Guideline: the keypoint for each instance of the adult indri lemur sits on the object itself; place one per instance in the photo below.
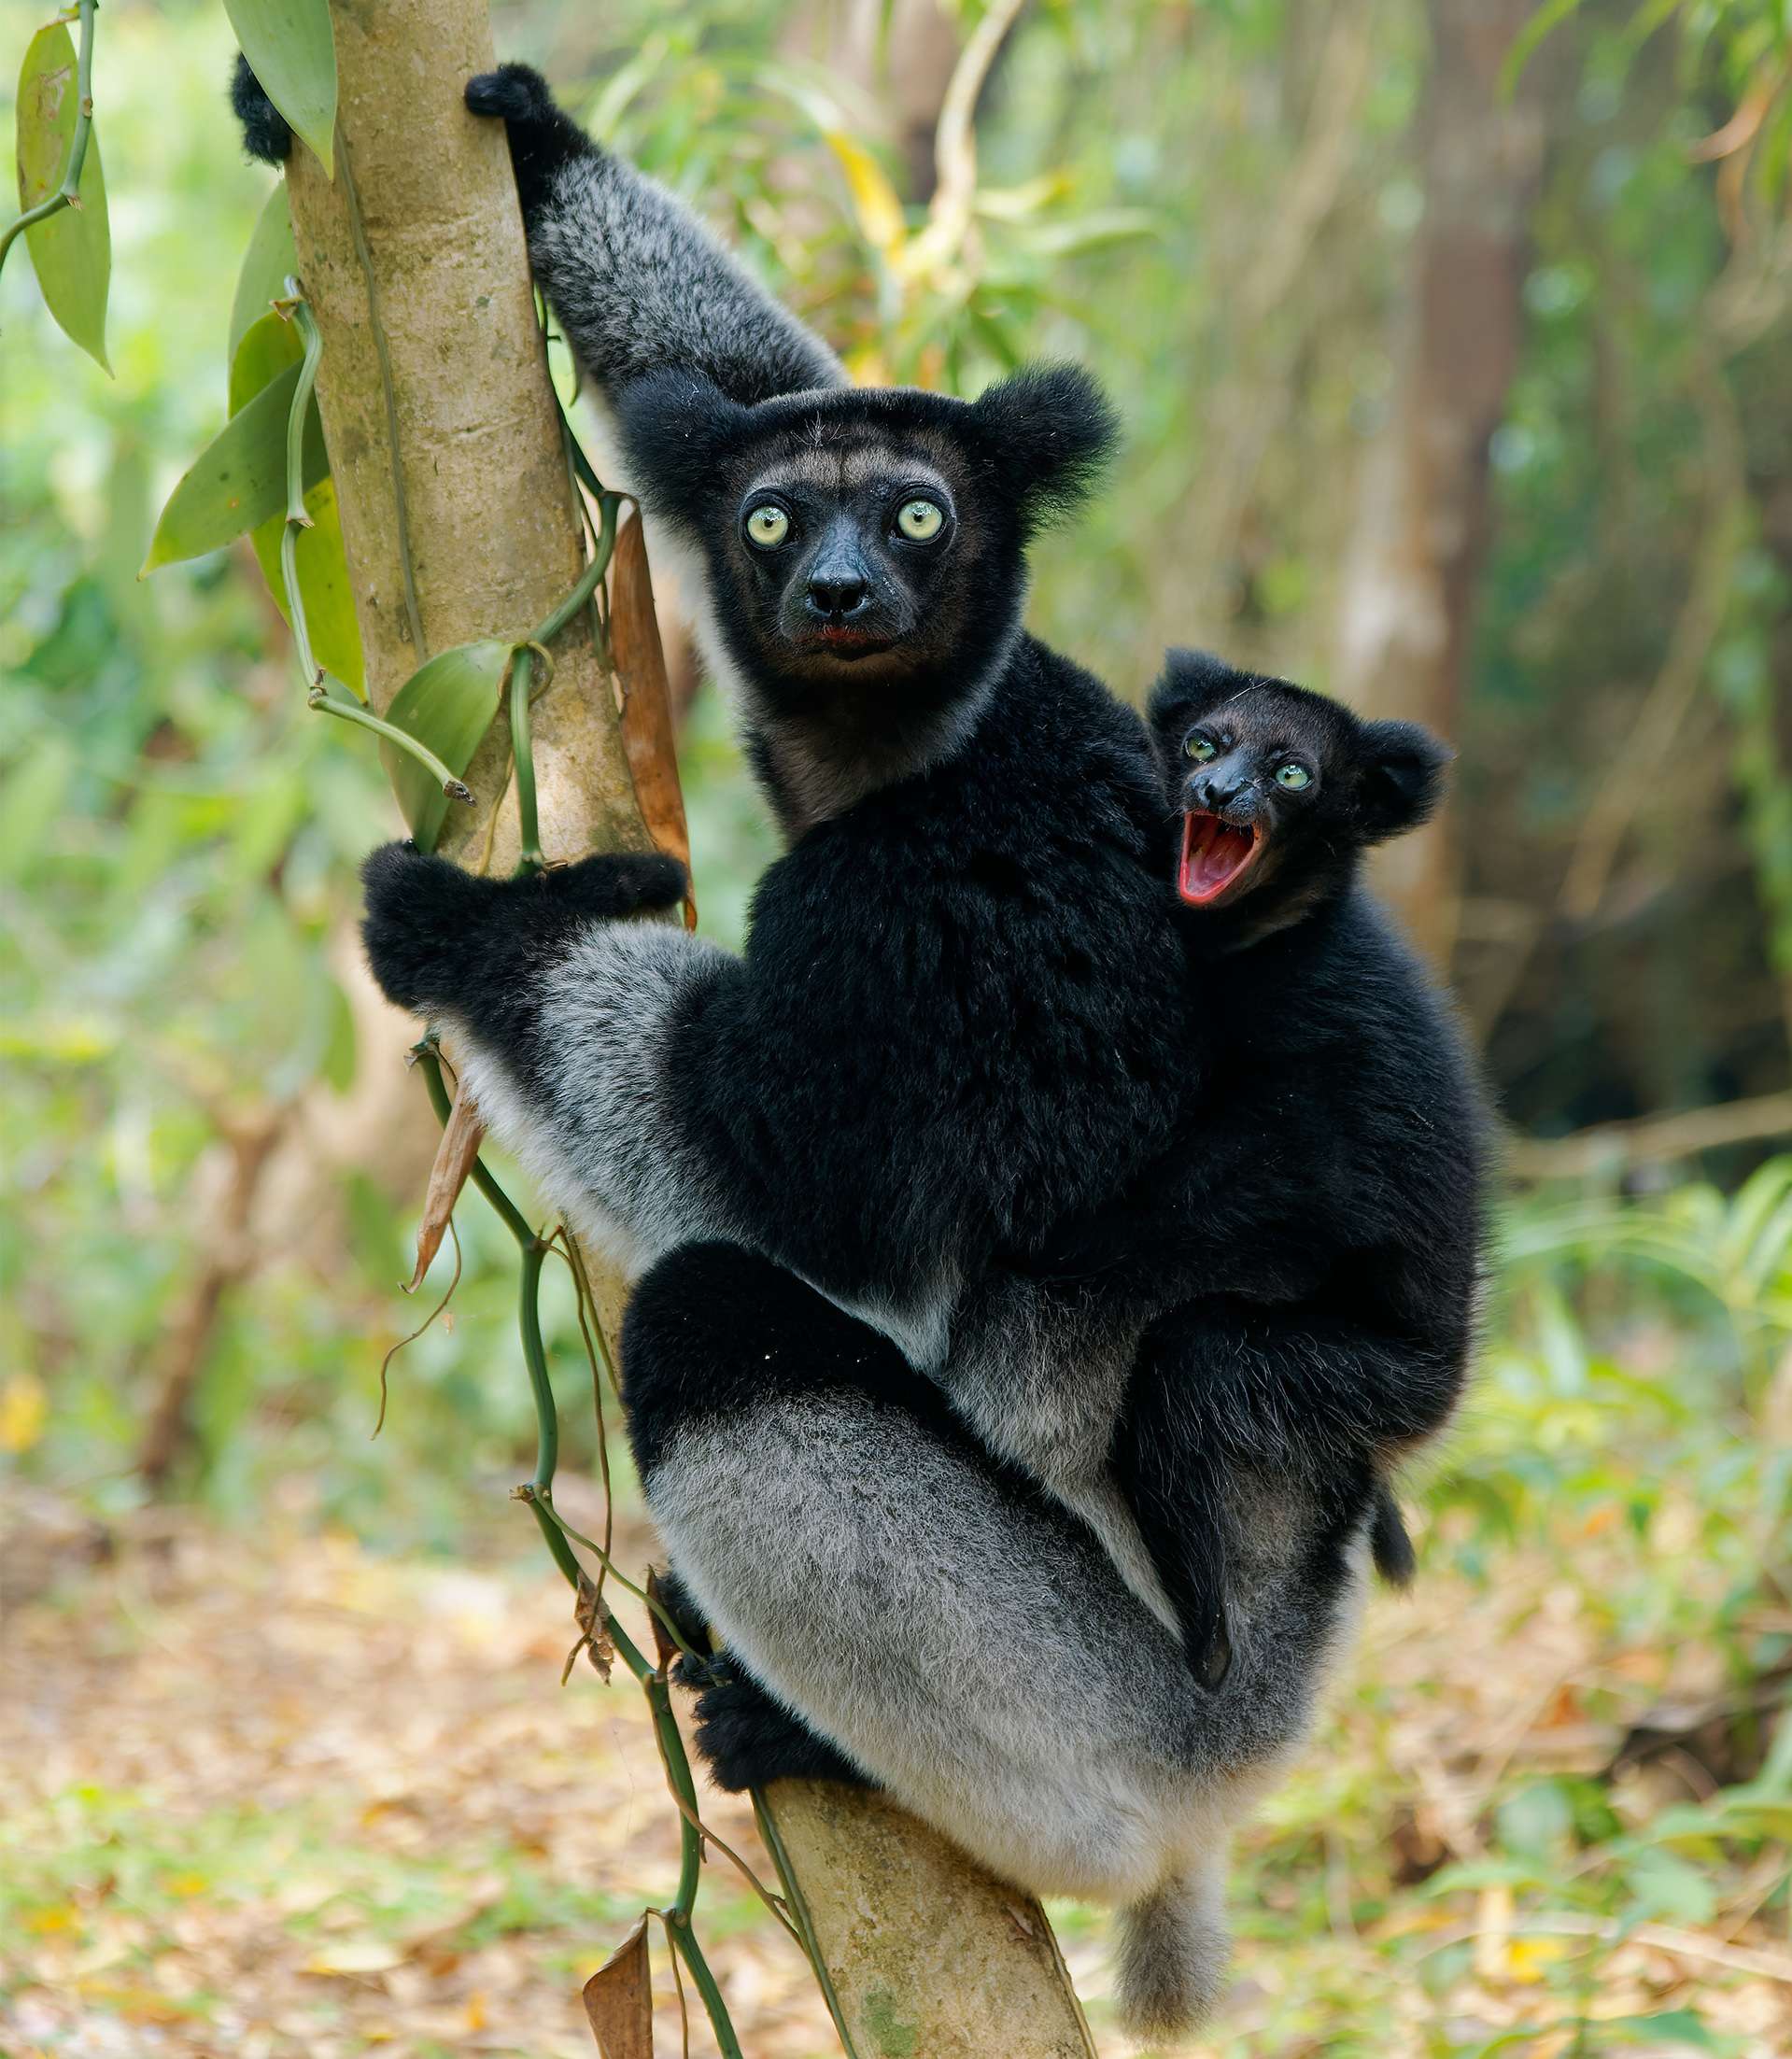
(957, 1023)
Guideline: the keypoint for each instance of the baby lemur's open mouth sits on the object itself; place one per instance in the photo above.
(1216, 855)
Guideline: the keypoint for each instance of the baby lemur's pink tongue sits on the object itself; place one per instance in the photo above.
(1214, 853)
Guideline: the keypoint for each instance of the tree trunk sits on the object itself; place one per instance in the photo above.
(1408, 609)
(923, 1948)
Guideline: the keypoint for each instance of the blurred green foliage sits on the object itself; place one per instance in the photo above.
(177, 836)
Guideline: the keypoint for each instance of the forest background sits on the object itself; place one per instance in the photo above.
(1453, 345)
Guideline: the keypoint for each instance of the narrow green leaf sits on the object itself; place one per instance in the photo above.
(267, 348)
(266, 264)
(238, 480)
(291, 48)
(449, 704)
(71, 250)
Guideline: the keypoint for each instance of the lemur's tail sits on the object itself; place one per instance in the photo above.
(1173, 1949)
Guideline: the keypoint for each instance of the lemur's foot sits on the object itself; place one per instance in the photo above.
(265, 132)
(541, 138)
(747, 1740)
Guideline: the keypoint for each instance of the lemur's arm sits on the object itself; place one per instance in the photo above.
(637, 281)
(559, 1017)
(662, 1091)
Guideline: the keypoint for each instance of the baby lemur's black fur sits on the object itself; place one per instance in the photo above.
(1318, 1216)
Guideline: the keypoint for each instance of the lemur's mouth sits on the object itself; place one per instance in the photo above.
(1216, 855)
(842, 640)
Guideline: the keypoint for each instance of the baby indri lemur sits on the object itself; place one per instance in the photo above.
(958, 1022)
(1320, 1215)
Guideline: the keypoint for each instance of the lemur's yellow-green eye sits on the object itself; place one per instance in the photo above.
(1203, 750)
(768, 526)
(919, 521)
(1293, 777)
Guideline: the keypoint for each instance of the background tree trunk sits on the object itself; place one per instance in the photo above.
(1408, 606)
(929, 1954)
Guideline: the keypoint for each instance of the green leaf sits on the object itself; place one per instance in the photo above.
(71, 249)
(292, 49)
(238, 480)
(449, 704)
(259, 356)
(266, 264)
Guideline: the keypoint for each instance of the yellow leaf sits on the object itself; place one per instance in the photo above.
(874, 199)
(25, 1407)
(1530, 1958)
(186, 1883)
(356, 1956)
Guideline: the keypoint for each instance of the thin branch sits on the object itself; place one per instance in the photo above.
(1611, 1147)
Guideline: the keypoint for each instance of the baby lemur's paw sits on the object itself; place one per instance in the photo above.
(265, 134)
(748, 1740)
(541, 138)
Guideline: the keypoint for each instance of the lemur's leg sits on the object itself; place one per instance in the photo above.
(638, 283)
(946, 1628)
(748, 1739)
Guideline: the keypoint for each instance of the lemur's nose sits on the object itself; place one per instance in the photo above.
(838, 595)
(1216, 790)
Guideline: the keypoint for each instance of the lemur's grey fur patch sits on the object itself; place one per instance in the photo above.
(1038, 1706)
(607, 1148)
(653, 288)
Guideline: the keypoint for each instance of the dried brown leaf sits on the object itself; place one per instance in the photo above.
(461, 1136)
(593, 1619)
(619, 1999)
(646, 697)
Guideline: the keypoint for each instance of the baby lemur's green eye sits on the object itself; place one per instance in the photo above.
(768, 526)
(919, 521)
(1203, 750)
(1293, 777)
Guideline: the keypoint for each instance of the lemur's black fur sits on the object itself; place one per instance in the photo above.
(960, 1023)
(1320, 1213)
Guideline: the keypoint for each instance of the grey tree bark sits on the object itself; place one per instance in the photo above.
(444, 437)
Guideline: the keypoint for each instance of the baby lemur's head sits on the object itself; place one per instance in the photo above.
(866, 548)
(1278, 790)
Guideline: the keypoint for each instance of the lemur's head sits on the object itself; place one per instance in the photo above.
(1277, 789)
(866, 548)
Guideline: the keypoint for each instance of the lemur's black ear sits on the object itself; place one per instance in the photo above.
(1046, 432)
(676, 429)
(1190, 683)
(1403, 777)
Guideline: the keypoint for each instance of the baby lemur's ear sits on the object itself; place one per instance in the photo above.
(1190, 683)
(1046, 432)
(1403, 767)
(677, 428)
